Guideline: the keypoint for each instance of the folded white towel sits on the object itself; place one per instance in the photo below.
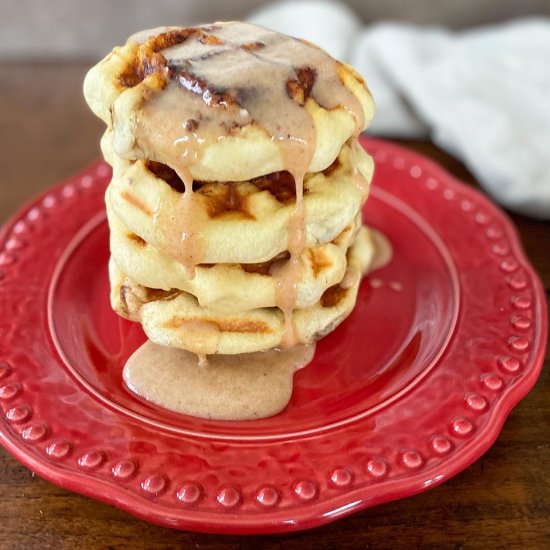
(483, 95)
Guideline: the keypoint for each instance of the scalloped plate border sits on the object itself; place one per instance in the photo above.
(298, 505)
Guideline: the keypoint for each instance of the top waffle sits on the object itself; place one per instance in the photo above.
(289, 106)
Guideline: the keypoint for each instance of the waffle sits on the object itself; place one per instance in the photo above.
(115, 88)
(244, 222)
(229, 287)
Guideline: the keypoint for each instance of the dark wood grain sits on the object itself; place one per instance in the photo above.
(501, 501)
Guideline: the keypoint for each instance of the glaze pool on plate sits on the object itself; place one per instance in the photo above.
(408, 309)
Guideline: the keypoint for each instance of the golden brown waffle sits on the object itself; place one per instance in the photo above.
(230, 287)
(116, 86)
(244, 222)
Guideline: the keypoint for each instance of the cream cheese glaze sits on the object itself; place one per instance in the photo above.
(225, 387)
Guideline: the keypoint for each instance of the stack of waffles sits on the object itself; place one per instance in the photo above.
(237, 188)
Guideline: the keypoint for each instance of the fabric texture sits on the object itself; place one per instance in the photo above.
(482, 95)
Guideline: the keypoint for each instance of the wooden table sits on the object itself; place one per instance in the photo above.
(501, 501)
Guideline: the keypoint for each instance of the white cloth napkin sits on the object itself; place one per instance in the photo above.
(483, 95)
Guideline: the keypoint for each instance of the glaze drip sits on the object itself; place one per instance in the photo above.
(226, 387)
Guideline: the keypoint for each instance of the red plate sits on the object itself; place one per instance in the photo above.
(410, 390)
